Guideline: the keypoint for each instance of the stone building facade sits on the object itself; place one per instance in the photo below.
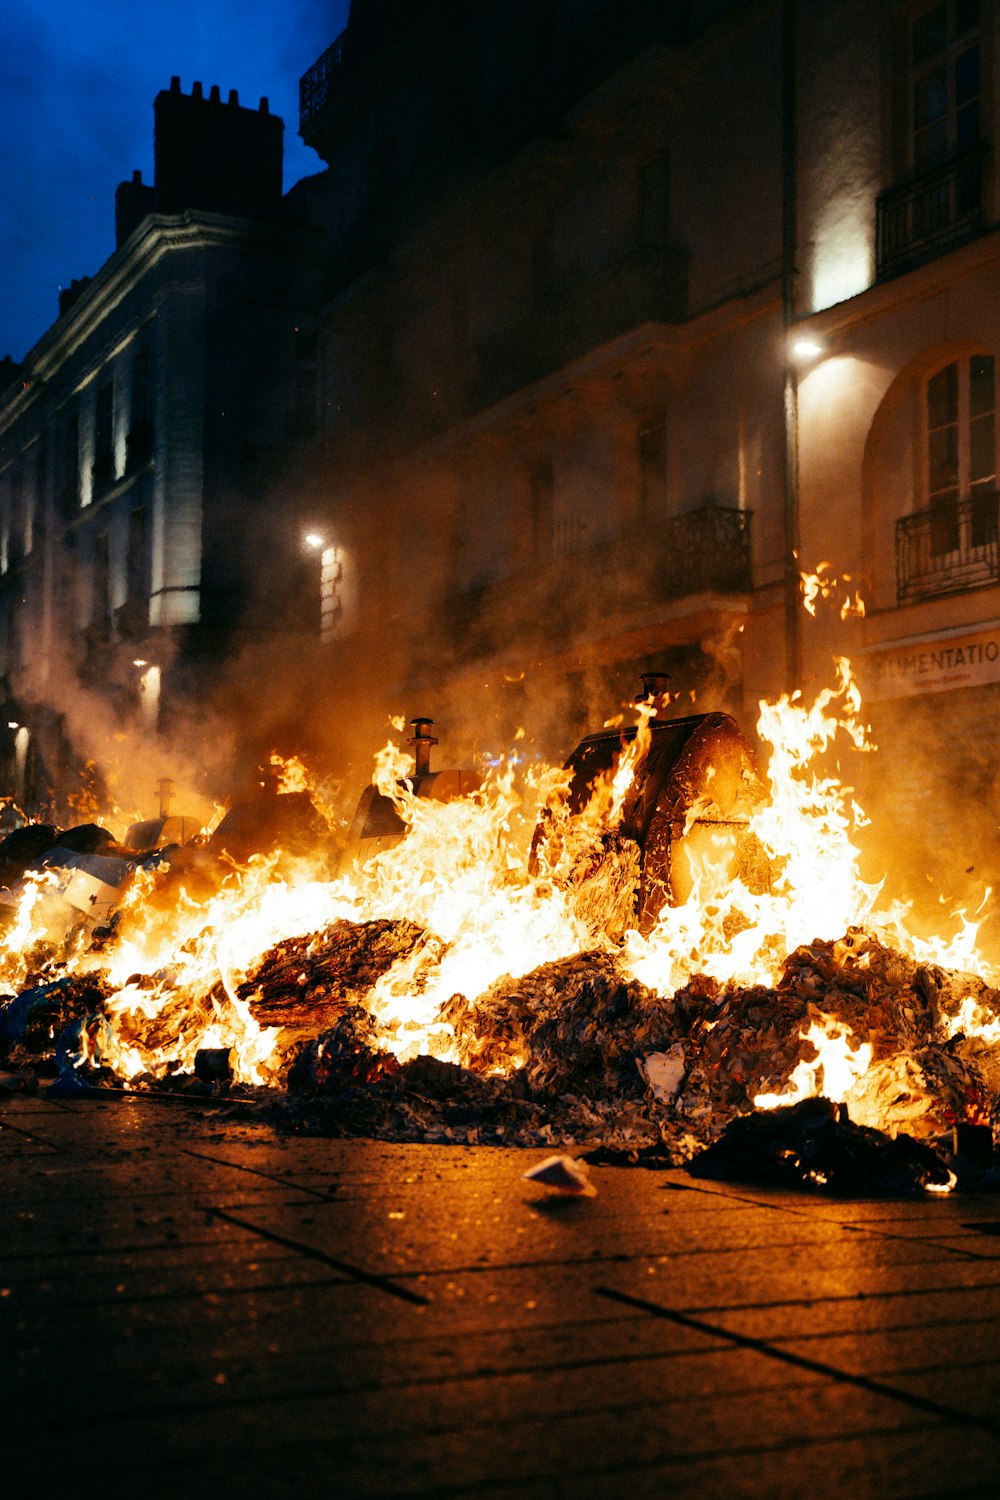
(143, 439)
(639, 311)
(550, 370)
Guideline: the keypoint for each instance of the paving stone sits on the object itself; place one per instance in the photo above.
(193, 1305)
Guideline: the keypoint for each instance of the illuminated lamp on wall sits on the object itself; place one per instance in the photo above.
(150, 681)
(805, 349)
(22, 739)
(337, 586)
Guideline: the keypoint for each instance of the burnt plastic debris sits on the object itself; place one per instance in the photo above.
(21, 846)
(213, 1064)
(289, 820)
(36, 1017)
(347, 1056)
(813, 1144)
(378, 823)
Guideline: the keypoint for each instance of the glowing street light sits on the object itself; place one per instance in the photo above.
(314, 541)
(806, 348)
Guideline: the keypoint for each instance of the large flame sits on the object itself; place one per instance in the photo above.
(466, 875)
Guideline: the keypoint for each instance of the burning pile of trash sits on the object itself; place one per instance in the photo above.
(645, 954)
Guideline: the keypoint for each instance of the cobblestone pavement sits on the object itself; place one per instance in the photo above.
(191, 1305)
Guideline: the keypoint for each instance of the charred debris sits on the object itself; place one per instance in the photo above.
(575, 1053)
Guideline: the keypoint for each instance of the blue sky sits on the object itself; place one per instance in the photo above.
(77, 83)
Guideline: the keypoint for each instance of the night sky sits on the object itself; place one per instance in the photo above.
(77, 83)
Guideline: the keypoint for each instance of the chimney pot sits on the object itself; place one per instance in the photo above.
(422, 741)
(175, 84)
(264, 108)
(655, 692)
(196, 90)
(234, 97)
(214, 94)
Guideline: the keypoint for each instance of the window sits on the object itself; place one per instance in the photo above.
(104, 468)
(304, 411)
(652, 444)
(68, 459)
(939, 200)
(136, 585)
(337, 585)
(654, 219)
(944, 82)
(100, 617)
(139, 446)
(15, 527)
(961, 454)
(132, 617)
(541, 494)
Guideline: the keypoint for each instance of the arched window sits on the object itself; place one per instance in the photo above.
(960, 456)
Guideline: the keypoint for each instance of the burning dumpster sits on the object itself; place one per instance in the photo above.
(686, 789)
(377, 824)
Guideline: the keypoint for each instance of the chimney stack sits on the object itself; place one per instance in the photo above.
(221, 158)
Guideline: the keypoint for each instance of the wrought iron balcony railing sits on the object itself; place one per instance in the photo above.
(918, 219)
(702, 551)
(705, 550)
(317, 82)
(948, 549)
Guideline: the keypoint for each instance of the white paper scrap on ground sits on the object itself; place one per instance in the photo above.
(663, 1072)
(564, 1175)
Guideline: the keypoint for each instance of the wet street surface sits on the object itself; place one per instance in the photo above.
(191, 1304)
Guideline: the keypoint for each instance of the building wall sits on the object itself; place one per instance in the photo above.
(139, 464)
(558, 370)
(925, 653)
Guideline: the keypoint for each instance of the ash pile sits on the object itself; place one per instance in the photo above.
(577, 1053)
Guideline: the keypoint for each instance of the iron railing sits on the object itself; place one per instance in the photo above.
(316, 83)
(918, 219)
(948, 549)
(704, 551)
(701, 551)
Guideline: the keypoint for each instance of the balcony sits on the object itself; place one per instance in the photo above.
(919, 219)
(704, 551)
(947, 550)
(317, 83)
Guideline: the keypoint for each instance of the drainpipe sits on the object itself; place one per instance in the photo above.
(789, 247)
